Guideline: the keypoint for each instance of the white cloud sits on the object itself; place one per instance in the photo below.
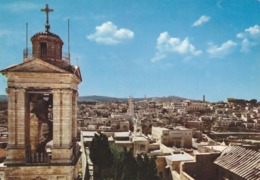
(240, 35)
(19, 6)
(253, 31)
(108, 33)
(245, 45)
(221, 51)
(203, 19)
(158, 56)
(166, 45)
(250, 37)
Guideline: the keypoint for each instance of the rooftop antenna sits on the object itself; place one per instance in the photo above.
(26, 37)
(69, 38)
(25, 52)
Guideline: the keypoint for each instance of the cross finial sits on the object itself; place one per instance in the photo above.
(47, 10)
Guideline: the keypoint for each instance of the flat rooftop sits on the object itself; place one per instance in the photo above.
(88, 133)
(122, 134)
(179, 157)
(139, 138)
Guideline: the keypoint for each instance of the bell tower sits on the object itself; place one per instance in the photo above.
(42, 111)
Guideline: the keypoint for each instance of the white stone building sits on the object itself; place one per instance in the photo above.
(178, 136)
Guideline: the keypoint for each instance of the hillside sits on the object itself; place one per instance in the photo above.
(3, 98)
(109, 99)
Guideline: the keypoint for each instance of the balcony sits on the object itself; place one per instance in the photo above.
(37, 158)
(45, 158)
(28, 55)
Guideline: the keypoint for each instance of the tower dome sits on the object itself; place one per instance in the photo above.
(46, 45)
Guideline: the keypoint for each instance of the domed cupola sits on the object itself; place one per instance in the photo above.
(47, 45)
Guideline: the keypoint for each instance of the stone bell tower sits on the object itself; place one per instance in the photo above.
(42, 111)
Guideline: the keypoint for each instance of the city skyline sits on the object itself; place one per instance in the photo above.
(153, 48)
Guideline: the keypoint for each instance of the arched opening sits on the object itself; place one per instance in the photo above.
(39, 129)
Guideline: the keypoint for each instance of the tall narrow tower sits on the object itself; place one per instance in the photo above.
(130, 110)
(42, 111)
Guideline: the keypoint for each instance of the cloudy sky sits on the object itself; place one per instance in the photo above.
(187, 48)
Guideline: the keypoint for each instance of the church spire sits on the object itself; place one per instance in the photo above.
(47, 10)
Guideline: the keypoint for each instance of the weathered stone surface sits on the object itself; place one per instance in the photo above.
(25, 125)
(41, 172)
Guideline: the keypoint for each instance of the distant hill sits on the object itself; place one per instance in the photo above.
(169, 98)
(109, 99)
(94, 98)
(99, 99)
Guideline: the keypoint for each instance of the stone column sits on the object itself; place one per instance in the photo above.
(74, 113)
(62, 126)
(66, 130)
(57, 117)
(16, 126)
(11, 117)
(21, 118)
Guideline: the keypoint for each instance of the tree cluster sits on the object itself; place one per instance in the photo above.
(101, 156)
(110, 163)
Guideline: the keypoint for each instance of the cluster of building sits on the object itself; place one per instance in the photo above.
(173, 132)
(200, 116)
(45, 134)
(237, 116)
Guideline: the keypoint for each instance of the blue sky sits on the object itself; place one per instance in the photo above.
(187, 48)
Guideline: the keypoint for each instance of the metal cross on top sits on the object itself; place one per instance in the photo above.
(47, 10)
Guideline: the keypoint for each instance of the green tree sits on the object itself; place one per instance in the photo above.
(100, 155)
(129, 167)
(152, 169)
(119, 156)
(147, 168)
(141, 167)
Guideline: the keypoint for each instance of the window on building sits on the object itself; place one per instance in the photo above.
(43, 49)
